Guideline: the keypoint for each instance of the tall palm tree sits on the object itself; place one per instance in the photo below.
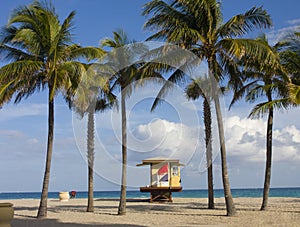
(197, 26)
(41, 54)
(121, 59)
(92, 95)
(264, 80)
(194, 91)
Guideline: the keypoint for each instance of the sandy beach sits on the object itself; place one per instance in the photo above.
(182, 212)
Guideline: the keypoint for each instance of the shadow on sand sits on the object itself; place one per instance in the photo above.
(55, 223)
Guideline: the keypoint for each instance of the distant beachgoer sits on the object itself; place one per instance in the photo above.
(73, 194)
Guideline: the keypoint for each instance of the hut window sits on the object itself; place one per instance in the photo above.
(175, 171)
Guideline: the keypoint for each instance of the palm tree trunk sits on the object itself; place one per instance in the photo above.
(42, 212)
(230, 208)
(208, 145)
(91, 156)
(122, 204)
(268, 158)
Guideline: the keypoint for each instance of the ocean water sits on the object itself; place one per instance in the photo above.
(202, 193)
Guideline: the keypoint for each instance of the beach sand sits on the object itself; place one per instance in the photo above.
(182, 212)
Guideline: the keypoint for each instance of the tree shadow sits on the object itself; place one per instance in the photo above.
(291, 211)
(16, 208)
(287, 201)
(155, 208)
(56, 223)
(201, 206)
(127, 200)
(169, 210)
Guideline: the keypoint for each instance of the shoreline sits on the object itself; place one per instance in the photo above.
(146, 199)
(182, 212)
(290, 192)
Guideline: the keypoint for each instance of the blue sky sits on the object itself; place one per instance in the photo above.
(173, 129)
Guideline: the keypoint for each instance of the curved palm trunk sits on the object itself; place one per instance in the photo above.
(42, 212)
(208, 145)
(268, 157)
(230, 208)
(91, 157)
(122, 204)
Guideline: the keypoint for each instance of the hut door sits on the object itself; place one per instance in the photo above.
(175, 176)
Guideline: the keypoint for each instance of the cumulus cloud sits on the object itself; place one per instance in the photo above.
(246, 140)
(164, 138)
(290, 133)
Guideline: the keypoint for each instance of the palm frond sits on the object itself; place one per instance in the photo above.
(242, 24)
(263, 108)
(239, 93)
(19, 69)
(253, 49)
(176, 76)
(255, 93)
(174, 24)
(294, 93)
(89, 53)
(15, 54)
(60, 35)
(199, 87)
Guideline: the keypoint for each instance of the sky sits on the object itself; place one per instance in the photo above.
(174, 130)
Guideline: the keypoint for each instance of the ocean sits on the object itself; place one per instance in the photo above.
(202, 193)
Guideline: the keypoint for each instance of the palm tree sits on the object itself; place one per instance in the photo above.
(92, 95)
(42, 55)
(197, 26)
(194, 91)
(264, 80)
(122, 59)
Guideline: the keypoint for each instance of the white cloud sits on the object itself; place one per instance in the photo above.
(294, 22)
(246, 140)
(164, 138)
(33, 141)
(292, 132)
(17, 144)
(22, 110)
(277, 34)
(11, 133)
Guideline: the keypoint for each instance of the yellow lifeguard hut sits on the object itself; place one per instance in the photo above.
(164, 178)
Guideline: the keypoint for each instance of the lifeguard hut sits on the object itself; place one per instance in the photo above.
(164, 178)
